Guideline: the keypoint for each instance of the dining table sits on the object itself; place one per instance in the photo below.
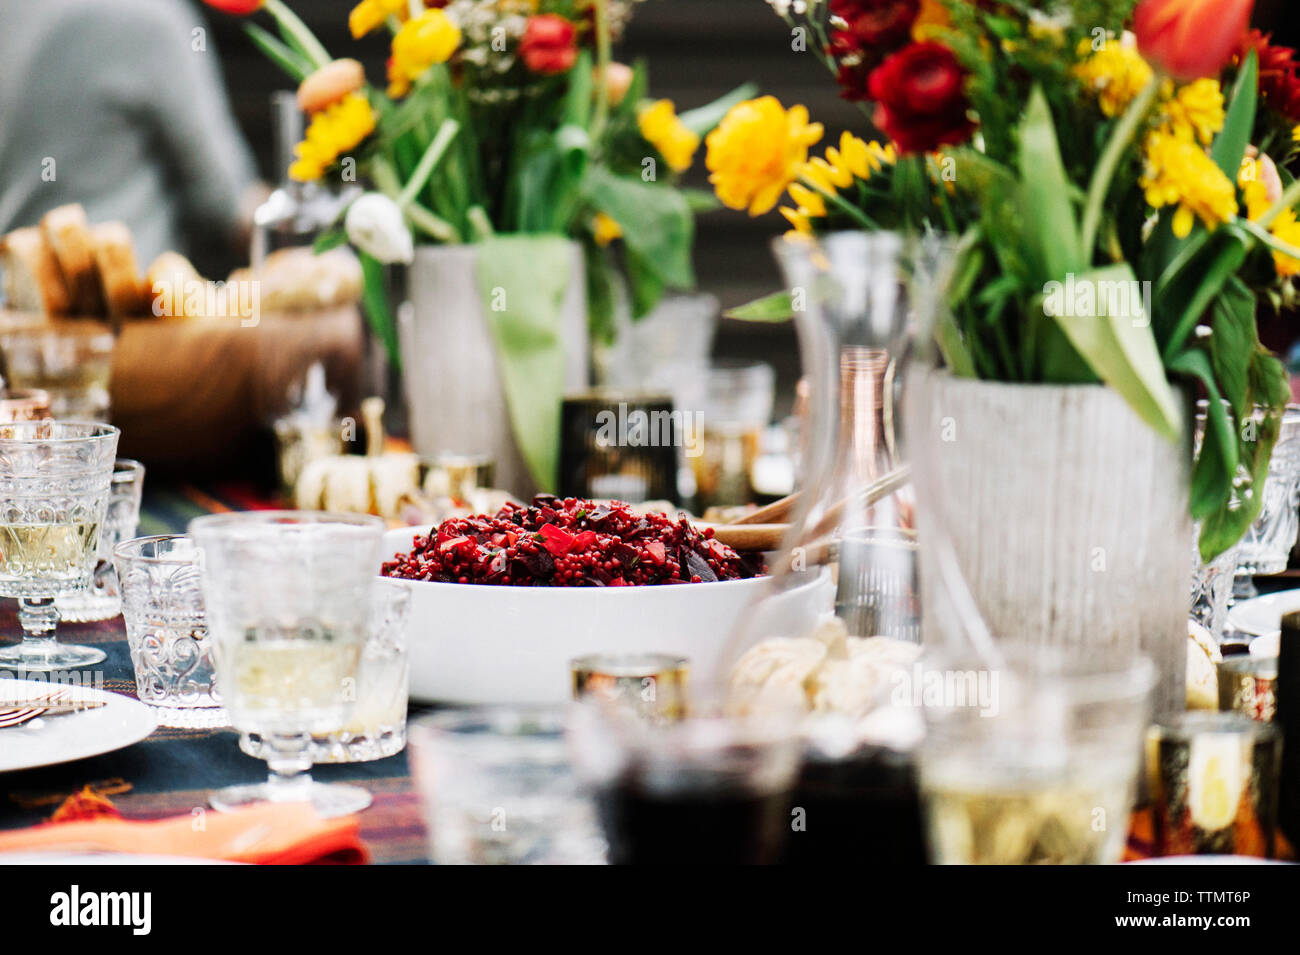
(170, 773)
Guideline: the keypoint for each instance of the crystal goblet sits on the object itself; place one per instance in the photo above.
(54, 488)
(103, 600)
(287, 595)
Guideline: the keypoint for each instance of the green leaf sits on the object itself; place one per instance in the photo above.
(331, 238)
(776, 307)
(1229, 147)
(285, 57)
(1228, 257)
(1050, 224)
(578, 100)
(1233, 343)
(1217, 464)
(1118, 345)
(644, 286)
(702, 119)
(374, 303)
(656, 221)
(530, 275)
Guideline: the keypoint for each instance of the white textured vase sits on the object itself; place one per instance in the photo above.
(453, 386)
(1067, 513)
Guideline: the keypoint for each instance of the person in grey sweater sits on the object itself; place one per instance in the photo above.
(118, 105)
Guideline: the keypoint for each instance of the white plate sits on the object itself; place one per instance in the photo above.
(1262, 617)
(62, 739)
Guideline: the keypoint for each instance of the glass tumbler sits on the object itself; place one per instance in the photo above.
(167, 630)
(287, 596)
(71, 363)
(733, 407)
(498, 789)
(104, 600)
(54, 488)
(1216, 785)
(1267, 544)
(1033, 759)
(713, 788)
(376, 726)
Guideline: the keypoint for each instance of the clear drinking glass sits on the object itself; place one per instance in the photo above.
(498, 789)
(1035, 759)
(1216, 792)
(54, 489)
(735, 405)
(376, 726)
(72, 363)
(104, 598)
(713, 788)
(1266, 545)
(167, 630)
(1212, 589)
(287, 596)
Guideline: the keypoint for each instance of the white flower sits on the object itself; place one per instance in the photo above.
(374, 224)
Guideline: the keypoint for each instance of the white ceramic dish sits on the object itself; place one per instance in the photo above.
(61, 739)
(478, 644)
(1262, 616)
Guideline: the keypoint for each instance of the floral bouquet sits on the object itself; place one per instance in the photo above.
(1077, 150)
(505, 123)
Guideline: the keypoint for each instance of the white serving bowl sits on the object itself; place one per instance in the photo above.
(479, 644)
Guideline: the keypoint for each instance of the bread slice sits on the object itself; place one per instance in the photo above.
(119, 272)
(32, 278)
(169, 287)
(68, 235)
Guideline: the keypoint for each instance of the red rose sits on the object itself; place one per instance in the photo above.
(549, 44)
(1190, 39)
(854, 64)
(878, 23)
(920, 101)
(1279, 84)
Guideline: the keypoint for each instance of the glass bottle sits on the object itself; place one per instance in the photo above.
(296, 212)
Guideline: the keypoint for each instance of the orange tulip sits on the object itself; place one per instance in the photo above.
(1191, 39)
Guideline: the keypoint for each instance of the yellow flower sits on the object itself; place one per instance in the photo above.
(930, 20)
(663, 130)
(1286, 229)
(1253, 189)
(799, 220)
(811, 203)
(1295, 134)
(604, 229)
(428, 39)
(757, 150)
(333, 131)
(370, 15)
(1116, 73)
(1180, 173)
(1195, 112)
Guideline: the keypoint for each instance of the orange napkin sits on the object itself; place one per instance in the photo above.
(268, 834)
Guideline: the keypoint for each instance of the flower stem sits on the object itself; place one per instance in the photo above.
(301, 33)
(603, 55)
(1269, 239)
(424, 168)
(862, 219)
(1109, 162)
(1289, 199)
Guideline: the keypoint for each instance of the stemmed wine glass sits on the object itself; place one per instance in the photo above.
(288, 603)
(54, 488)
